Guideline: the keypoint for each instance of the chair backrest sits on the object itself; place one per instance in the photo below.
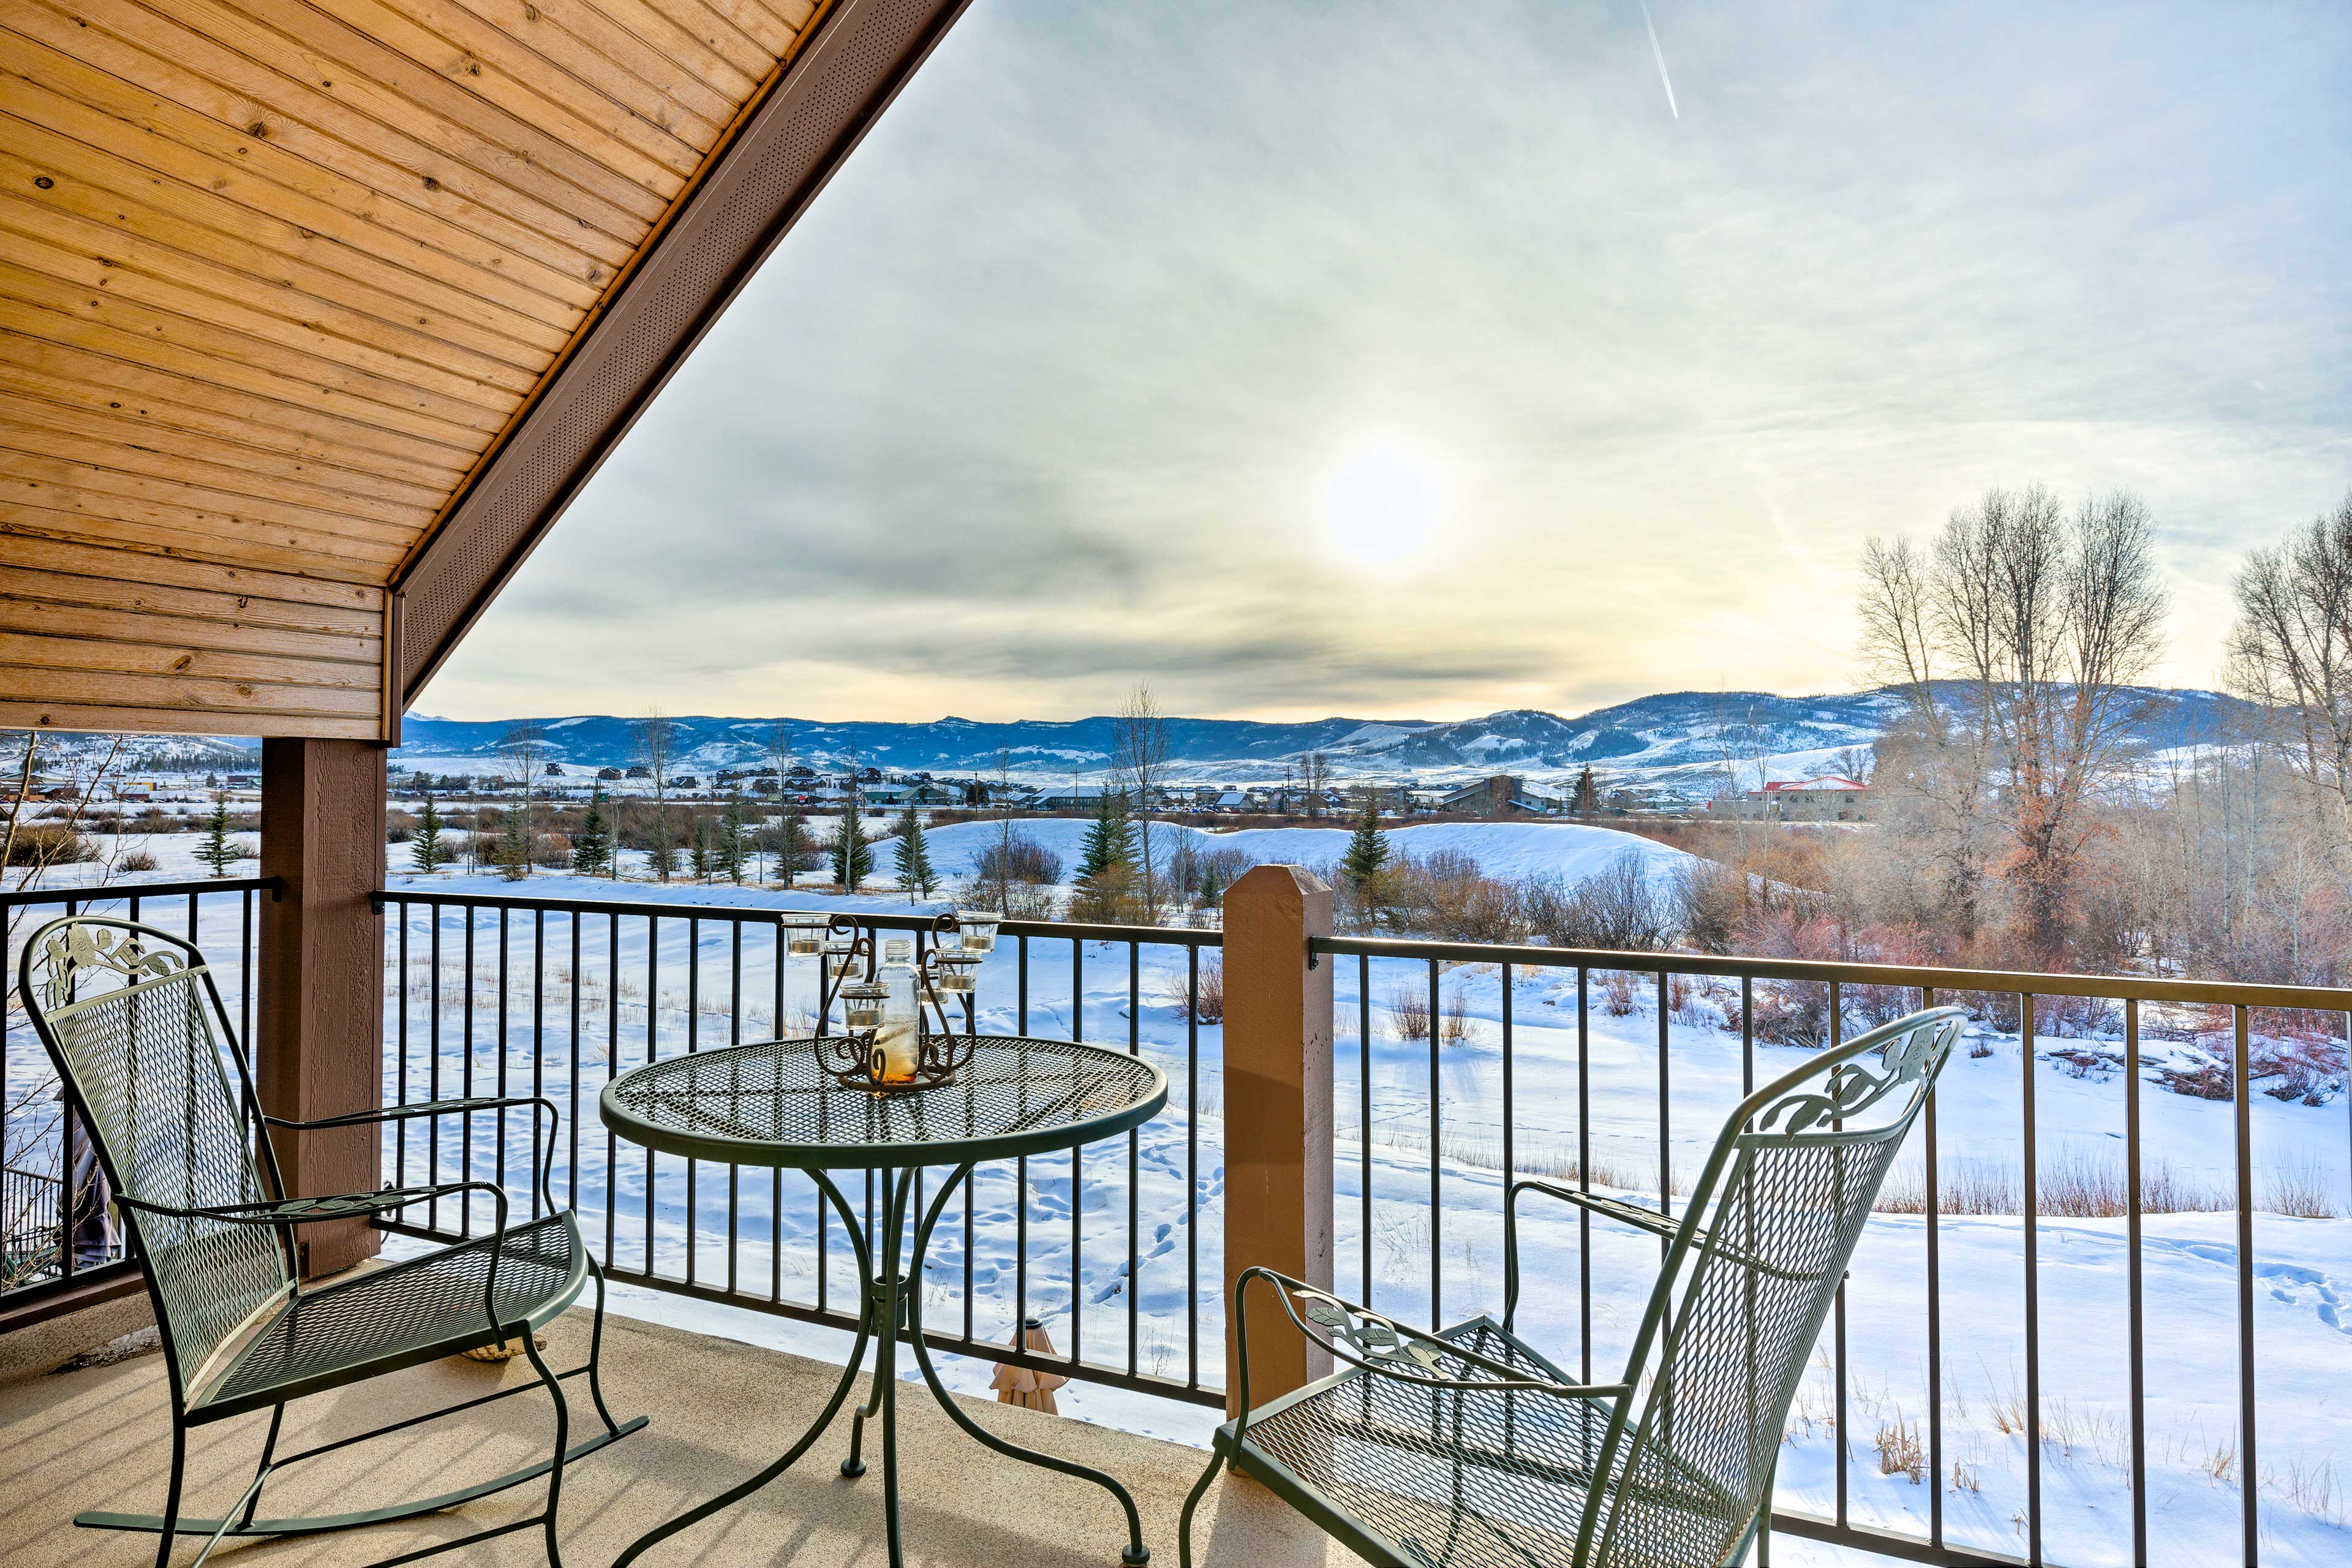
(130, 1017)
(1771, 1225)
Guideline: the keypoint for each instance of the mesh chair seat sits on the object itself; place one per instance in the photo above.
(1453, 1478)
(402, 1315)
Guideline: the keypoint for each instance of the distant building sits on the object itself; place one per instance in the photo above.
(553, 770)
(685, 781)
(1830, 799)
(1070, 797)
(640, 772)
(609, 775)
(1498, 794)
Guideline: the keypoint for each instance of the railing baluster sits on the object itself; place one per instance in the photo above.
(1134, 1157)
(1192, 1166)
(2032, 1205)
(1837, 1308)
(2248, 1466)
(1584, 1166)
(2134, 1273)
(1931, 1205)
(1436, 1163)
(1364, 1109)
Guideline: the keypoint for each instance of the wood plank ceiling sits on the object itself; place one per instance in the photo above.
(275, 278)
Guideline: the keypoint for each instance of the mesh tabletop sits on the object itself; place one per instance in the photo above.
(774, 1103)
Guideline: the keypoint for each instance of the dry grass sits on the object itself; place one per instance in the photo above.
(1457, 1028)
(1900, 1452)
(1408, 1010)
(2072, 1185)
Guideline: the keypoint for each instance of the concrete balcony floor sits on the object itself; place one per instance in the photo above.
(99, 1438)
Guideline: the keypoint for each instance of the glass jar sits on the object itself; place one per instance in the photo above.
(898, 1044)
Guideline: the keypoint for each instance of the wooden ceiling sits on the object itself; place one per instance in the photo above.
(277, 279)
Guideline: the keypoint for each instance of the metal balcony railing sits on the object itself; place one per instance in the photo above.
(48, 1242)
(516, 993)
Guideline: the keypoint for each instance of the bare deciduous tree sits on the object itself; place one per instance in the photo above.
(2291, 651)
(2047, 621)
(1140, 736)
(655, 733)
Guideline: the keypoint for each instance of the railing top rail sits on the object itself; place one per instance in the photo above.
(107, 893)
(2113, 987)
(1064, 930)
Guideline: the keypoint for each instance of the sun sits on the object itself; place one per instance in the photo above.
(1383, 504)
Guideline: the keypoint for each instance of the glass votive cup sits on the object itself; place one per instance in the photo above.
(978, 929)
(863, 1005)
(959, 973)
(803, 933)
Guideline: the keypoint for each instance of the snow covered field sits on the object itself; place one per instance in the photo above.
(2302, 1304)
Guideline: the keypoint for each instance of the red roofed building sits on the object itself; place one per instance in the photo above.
(1828, 799)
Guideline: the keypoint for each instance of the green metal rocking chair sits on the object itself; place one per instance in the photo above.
(131, 1018)
(1468, 1449)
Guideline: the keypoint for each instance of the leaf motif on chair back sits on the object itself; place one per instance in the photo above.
(133, 1023)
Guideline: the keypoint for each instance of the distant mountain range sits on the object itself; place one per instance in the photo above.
(1678, 740)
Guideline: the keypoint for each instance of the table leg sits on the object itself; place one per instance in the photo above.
(886, 1295)
(1136, 1552)
(743, 1489)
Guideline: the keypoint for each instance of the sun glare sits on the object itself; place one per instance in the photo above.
(1382, 504)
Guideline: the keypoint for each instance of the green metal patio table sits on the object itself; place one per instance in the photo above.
(775, 1104)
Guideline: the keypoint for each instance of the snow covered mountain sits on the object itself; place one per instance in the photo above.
(1676, 739)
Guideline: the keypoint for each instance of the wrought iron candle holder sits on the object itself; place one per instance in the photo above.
(859, 1058)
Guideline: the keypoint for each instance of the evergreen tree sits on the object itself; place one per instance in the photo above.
(912, 855)
(853, 857)
(792, 853)
(592, 849)
(514, 848)
(1110, 842)
(425, 850)
(214, 850)
(1213, 891)
(697, 855)
(1368, 851)
(727, 852)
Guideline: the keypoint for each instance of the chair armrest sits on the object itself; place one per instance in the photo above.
(1384, 1347)
(312, 1211)
(546, 1154)
(406, 1112)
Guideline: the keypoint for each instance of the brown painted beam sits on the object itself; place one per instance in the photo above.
(813, 116)
(1277, 1117)
(320, 1011)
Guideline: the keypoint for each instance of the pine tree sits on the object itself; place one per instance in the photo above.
(592, 849)
(514, 848)
(912, 855)
(214, 850)
(1368, 851)
(1107, 870)
(697, 855)
(853, 859)
(1110, 842)
(1213, 891)
(727, 853)
(793, 855)
(424, 849)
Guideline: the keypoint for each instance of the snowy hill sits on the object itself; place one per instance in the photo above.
(1680, 740)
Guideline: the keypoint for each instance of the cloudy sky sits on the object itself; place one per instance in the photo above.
(1327, 358)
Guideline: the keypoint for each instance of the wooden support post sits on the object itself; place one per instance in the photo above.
(1277, 1115)
(320, 1012)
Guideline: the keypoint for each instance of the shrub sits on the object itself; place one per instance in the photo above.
(1408, 1009)
(38, 846)
(1019, 858)
(136, 860)
(1207, 1004)
(1617, 993)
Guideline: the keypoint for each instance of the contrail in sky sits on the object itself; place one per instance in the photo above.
(1660, 55)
